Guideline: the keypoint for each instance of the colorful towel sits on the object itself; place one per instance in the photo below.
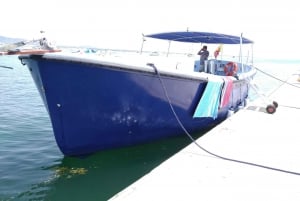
(226, 91)
(210, 100)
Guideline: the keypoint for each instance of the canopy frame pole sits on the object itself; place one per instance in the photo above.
(241, 52)
(142, 46)
(169, 46)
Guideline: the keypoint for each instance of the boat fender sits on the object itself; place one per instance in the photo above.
(230, 68)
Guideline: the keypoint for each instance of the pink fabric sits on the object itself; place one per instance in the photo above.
(226, 92)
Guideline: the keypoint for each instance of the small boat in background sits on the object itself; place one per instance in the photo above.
(98, 102)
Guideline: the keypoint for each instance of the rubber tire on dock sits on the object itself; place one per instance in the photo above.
(271, 109)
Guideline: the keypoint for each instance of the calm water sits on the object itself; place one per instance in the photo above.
(33, 168)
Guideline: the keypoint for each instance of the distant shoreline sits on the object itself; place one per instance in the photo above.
(6, 40)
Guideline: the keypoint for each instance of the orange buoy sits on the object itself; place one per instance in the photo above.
(230, 68)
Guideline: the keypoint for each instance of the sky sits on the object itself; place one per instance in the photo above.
(120, 23)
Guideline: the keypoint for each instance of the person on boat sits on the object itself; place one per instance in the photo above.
(204, 53)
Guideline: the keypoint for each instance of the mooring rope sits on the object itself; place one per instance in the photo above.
(277, 88)
(202, 148)
(6, 67)
(276, 78)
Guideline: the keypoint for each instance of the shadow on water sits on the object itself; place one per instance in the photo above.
(102, 175)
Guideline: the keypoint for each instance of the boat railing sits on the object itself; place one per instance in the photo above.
(216, 67)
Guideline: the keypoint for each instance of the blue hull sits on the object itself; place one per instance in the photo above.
(95, 107)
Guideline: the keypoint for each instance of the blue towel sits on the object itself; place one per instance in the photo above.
(210, 100)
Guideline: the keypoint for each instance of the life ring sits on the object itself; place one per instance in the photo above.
(230, 68)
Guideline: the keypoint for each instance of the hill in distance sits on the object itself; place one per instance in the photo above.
(8, 43)
(8, 40)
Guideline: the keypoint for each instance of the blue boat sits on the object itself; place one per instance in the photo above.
(98, 102)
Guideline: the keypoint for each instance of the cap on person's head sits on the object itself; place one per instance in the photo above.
(205, 47)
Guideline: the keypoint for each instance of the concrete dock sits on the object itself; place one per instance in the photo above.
(270, 142)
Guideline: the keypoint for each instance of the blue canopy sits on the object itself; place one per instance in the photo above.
(199, 37)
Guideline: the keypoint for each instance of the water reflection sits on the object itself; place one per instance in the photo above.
(102, 175)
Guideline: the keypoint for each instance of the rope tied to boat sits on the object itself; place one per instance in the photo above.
(202, 148)
(277, 88)
(8, 67)
(276, 78)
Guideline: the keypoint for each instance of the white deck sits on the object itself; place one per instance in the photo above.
(253, 136)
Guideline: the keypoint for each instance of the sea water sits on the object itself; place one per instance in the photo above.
(33, 168)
